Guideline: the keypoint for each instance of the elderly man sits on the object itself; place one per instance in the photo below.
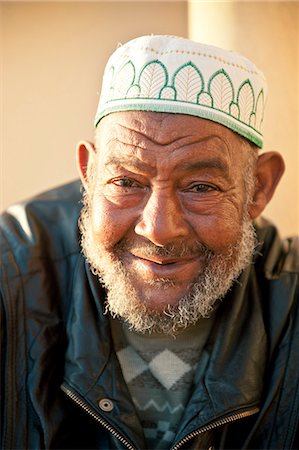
(177, 328)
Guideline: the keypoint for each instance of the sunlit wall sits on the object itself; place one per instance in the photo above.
(267, 33)
(52, 58)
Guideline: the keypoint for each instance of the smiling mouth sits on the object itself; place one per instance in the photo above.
(153, 267)
(162, 262)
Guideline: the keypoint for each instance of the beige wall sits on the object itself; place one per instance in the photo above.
(267, 33)
(53, 54)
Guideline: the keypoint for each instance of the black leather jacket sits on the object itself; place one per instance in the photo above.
(61, 384)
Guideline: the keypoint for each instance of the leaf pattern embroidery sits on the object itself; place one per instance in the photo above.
(259, 112)
(188, 83)
(125, 78)
(221, 90)
(205, 99)
(234, 110)
(252, 120)
(153, 78)
(133, 91)
(187, 86)
(245, 101)
(168, 93)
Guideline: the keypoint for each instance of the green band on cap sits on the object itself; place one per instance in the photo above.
(176, 75)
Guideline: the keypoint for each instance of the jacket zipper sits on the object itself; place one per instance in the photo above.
(215, 424)
(96, 416)
(183, 441)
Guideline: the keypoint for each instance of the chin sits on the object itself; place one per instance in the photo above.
(160, 298)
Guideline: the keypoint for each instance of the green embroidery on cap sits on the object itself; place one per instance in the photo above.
(168, 93)
(221, 90)
(234, 110)
(124, 79)
(151, 84)
(245, 100)
(259, 110)
(188, 83)
(205, 99)
(133, 91)
(153, 78)
(183, 108)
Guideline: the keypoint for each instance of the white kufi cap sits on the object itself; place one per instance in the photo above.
(176, 75)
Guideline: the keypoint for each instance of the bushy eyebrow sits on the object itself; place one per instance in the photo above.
(129, 162)
(212, 163)
(133, 163)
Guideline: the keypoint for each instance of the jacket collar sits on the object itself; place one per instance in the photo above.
(235, 355)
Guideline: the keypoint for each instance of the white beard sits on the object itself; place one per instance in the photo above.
(218, 275)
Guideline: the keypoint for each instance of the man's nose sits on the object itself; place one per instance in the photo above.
(162, 219)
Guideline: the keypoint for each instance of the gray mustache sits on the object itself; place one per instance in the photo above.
(177, 250)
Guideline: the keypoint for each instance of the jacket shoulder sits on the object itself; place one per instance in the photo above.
(279, 256)
(45, 224)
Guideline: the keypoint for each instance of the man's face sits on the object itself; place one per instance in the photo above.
(165, 217)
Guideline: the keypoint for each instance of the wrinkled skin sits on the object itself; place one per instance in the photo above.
(175, 180)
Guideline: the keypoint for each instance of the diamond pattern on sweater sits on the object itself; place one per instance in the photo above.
(131, 363)
(168, 368)
(146, 381)
(159, 372)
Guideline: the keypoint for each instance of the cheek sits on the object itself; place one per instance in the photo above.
(109, 223)
(220, 229)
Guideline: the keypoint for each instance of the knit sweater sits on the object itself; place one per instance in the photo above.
(160, 371)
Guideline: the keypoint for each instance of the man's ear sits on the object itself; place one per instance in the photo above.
(85, 157)
(270, 168)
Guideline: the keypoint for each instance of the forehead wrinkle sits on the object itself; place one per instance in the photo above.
(152, 134)
(183, 141)
(132, 143)
(128, 158)
(138, 138)
(120, 142)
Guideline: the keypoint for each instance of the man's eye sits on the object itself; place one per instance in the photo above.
(125, 183)
(201, 187)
